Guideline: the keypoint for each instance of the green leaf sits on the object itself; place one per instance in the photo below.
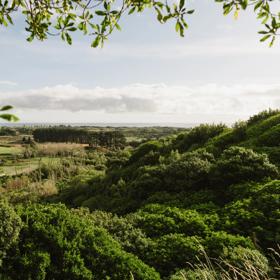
(9, 117)
(95, 43)
(68, 38)
(132, 10)
(81, 26)
(263, 32)
(182, 4)
(244, 4)
(7, 107)
(177, 26)
(272, 42)
(265, 38)
(257, 6)
(100, 13)
(118, 27)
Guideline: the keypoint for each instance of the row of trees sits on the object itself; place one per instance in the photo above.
(73, 135)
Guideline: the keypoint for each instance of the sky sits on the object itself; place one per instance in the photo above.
(219, 72)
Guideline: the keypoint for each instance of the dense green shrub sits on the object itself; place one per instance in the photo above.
(241, 218)
(10, 225)
(157, 220)
(191, 171)
(219, 243)
(130, 237)
(56, 243)
(257, 216)
(144, 149)
(238, 164)
(270, 138)
(262, 116)
(273, 153)
(243, 258)
(197, 136)
(173, 251)
(229, 137)
(117, 159)
(262, 122)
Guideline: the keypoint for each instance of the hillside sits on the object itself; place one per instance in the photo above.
(203, 204)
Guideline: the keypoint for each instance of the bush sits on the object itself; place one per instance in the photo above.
(238, 164)
(191, 171)
(262, 116)
(56, 243)
(131, 238)
(197, 136)
(219, 243)
(10, 225)
(271, 137)
(245, 259)
(173, 251)
(228, 138)
(144, 149)
(265, 125)
(273, 153)
(257, 215)
(157, 220)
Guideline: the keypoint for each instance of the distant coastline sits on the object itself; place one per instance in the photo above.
(179, 125)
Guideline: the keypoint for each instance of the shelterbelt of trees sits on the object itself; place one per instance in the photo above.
(112, 138)
(199, 205)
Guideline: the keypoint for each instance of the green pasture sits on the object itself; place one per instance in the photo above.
(10, 150)
(25, 165)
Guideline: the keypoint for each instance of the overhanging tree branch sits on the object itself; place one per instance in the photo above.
(99, 18)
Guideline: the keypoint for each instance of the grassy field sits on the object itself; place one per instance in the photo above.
(25, 165)
(10, 150)
(13, 163)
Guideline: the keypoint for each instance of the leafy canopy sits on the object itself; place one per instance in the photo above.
(99, 18)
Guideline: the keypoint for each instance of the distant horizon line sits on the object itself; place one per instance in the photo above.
(110, 124)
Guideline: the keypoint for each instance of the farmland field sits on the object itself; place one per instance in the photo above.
(10, 150)
(25, 165)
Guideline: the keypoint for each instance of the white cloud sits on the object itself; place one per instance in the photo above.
(185, 49)
(210, 102)
(7, 83)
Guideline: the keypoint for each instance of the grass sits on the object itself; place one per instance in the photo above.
(60, 149)
(250, 266)
(10, 150)
(11, 154)
(26, 166)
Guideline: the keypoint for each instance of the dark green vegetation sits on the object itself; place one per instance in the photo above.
(96, 136)
(67, 134)
(202, 204)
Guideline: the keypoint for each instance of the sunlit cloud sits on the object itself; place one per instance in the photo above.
(209, 101)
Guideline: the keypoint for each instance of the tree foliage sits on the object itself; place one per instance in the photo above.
(56, 243)
(112, 138)
(10, 225)
(99, 18)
